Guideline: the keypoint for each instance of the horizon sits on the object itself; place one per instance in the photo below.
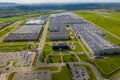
(54, 1)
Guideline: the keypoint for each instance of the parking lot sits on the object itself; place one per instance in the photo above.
(21, 58)
(33, 75)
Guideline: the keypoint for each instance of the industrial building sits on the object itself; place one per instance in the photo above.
(58, 32)
(25, 33)
(94, 39)
(91, 36)
(29, 32)
(60, 46)
(37, 20)
(58, 22)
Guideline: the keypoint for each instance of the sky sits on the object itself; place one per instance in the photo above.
(57, 1)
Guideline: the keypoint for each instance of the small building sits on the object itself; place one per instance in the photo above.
(60, 46)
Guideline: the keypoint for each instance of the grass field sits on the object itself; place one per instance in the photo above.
(16, 46)
(113, 39)
(85, 58)
(108, 65)
(19, 17)
(46, 50)
(64, 74)
(2, 33)
(53, 59)
(114, 15)
(69, 58)
(53, 68)
(108, 24)
(11, 76)
(78, 48)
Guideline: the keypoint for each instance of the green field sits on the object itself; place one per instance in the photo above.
(19, 17)
(78, 48)
(2, 33)
(114, 15)
(64, 74)
(53, 68)
(84, 57)
(11, 75)
(69, 58)
(108, 66)
(113, 39)
(106, 23)
(46, 50)
(53, 59)
(16, 46)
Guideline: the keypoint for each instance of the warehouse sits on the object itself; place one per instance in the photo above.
(58, 32)
(58, 22)
(91, 36)
(37, 21)
(94, 39)
(29, 32)
(25, 33)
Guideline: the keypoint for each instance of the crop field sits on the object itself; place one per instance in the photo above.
(106, 23)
